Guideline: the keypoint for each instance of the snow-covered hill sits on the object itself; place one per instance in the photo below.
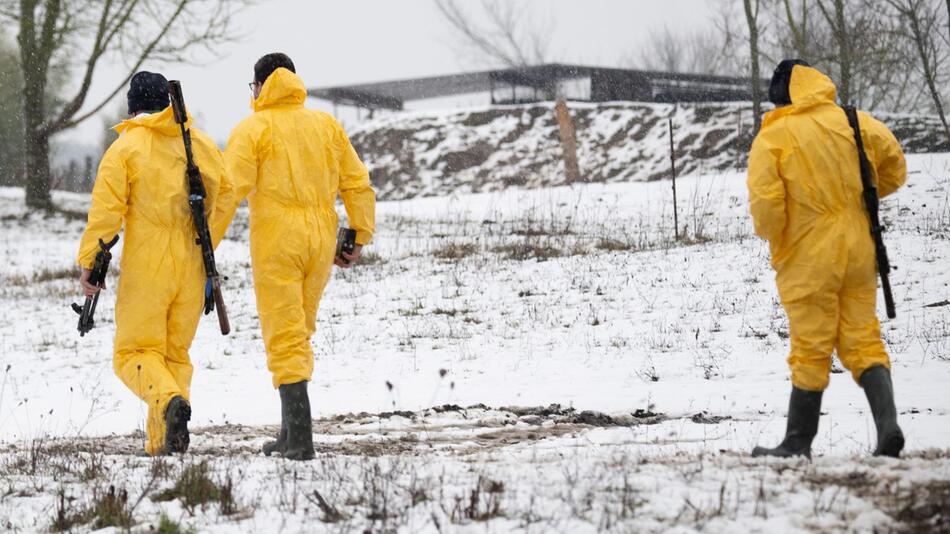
(439, 359)
(491, 149)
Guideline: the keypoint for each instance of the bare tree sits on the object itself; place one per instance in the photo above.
(752, 19)
(508, 36)
(799, 30)
(836, 19)
(922, 19)
(864, 50)
(664, 51)
(705, 51)
(79, 35)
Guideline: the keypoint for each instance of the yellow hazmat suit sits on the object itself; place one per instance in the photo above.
(806, 200)
(293, 162)
(141, 185)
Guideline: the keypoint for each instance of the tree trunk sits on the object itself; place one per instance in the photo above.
(844, 53)
(37, 173)
(34, 63)
(751, 17)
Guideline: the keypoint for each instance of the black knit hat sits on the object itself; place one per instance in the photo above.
(778, 88)
(148, 91)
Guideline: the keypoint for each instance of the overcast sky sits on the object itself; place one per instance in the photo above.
(350, 41)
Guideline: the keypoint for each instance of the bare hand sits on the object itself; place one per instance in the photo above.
(351, 258)
(87, 288)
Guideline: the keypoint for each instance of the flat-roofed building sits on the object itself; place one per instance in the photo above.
(541, 83)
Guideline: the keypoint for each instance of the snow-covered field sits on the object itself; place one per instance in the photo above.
(551, 360)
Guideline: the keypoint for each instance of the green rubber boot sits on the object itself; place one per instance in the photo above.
(879, 390)
(295, 405)
(280, 444)
(177, 415)
(804, 409)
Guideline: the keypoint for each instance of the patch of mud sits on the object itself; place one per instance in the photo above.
(448, 429)
(704, 418)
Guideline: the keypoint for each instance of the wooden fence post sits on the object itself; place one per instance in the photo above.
(572, 170)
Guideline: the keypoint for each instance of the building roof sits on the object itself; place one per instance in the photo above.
(611, 84)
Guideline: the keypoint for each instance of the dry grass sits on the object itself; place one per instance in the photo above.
(195, 488)
(529, 250)
(455, 251)
(613, 245)
(110, 508)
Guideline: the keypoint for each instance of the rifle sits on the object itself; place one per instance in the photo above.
(871, 203)
(196, 200)
(97, 277)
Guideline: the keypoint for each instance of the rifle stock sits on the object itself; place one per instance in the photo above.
(222, 311)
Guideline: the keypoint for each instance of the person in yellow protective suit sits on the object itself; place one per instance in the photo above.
(805, 192)
(141, 186)
(292, 162)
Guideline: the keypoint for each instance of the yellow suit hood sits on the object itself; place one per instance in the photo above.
(282, 88)
(807, 88)
(162, 122)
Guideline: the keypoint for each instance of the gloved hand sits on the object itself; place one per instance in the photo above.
(209, 300)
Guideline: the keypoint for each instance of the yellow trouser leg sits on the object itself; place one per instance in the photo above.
(283, 322)
(290, 274)
(315, 282)
(145, 373)
(183, 317)
(154, 328)
(859, 332)
(813, 328)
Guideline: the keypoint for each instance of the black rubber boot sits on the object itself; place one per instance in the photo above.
(177, 415)
(295, 405)
(879, 390)
(804, 409)
(280, 444)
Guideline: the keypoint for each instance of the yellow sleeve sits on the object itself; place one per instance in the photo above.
(355, 190)
(220, 195)
(766, 189)
(110, 196)
(886, 155)
(240, 166)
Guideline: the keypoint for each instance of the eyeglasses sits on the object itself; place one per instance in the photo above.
(251, 85)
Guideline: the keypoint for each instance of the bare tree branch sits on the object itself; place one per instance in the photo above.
(923, 18)
(78, 35)
(507, 39)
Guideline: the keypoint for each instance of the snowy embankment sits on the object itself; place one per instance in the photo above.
(438, 362)
(490, 149)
